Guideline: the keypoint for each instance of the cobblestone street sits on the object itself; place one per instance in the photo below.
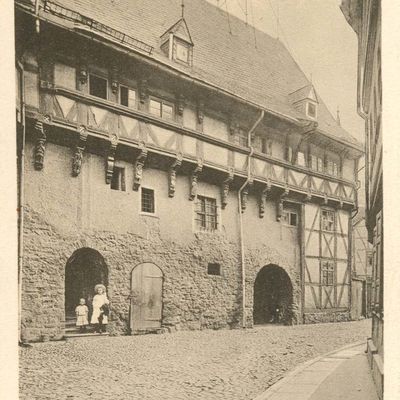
(192, 365)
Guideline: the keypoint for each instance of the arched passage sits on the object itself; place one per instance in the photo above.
(273, 296)
(84, 269)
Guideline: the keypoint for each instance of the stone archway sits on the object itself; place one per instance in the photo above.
(84, 269)
(273, 291)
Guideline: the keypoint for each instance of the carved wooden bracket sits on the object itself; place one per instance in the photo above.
(114, 78)
(225, 188)
(308, 197)
(139, 164)
(279, 206)
(78, 154)
(40, 145)
(111, 158)
(265, 192)
(172, 175)
(193, 179)
(244, 195)
(181, 104)
(325, 200)
(233, 126)
(200, 112)
(143, 90)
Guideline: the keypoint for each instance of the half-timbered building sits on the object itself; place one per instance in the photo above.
(201, 179)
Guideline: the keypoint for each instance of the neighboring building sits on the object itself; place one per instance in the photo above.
(201, 179)
(365, 18)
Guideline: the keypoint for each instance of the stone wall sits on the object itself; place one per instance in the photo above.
(64, 214)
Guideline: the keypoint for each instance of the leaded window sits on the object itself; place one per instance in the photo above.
(148, 205)
(206, 213)
(327, 220)
(327, 273)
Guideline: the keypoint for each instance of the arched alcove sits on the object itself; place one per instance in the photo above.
(273, 296)
(84, 269)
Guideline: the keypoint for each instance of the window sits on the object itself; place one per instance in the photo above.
(118, 179)
(161, 109)
(127, 97)
(327, 273)
(64, 76)
(213, 269)
(327, 220)
(289, 218)
(206, 214)
(289, 154)
(332, 168)
(241, 138)
(311, 110)
(266, 146)
(182, 52)
(301, 159)
(148, 201)
(97, 86)
(317, 163)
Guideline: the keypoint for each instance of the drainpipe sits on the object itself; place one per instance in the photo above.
(241, 238)
(37, 21)
(21, 201)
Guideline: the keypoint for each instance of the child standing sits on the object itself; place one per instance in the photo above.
(99, 317)
(82, 312)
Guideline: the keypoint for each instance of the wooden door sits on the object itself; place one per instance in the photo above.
(146, 297)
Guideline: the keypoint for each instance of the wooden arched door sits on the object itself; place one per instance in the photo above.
(146, 297)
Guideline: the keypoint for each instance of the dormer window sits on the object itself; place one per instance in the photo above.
(305, 100)
(182, 52)
(311, 110)
(177, 44)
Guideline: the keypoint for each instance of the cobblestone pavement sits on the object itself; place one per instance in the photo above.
(196, 365)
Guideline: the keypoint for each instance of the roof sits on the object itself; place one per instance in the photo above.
(306, 92)
(264, 75)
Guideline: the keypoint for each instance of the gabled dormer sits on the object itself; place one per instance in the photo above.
(305, 100)
(177, 43)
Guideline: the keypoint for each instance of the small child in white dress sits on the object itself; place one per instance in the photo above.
(82, 313)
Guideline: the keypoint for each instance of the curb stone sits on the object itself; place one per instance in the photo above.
(276, 386)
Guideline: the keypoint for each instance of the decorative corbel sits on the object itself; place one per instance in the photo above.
(172, 175)
(308, 197)
(40, 145)
(78, 155)
(200, 112)
(193, 179)
(114, 78)
(264, 193)
(244, 195)
(143, 90)
(111, 157)
(139, 164)
(233, 126)
(325, 200)
(279, 207)
(225, 188)
(181, 104)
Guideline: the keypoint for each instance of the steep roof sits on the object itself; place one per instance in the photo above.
(265, 75)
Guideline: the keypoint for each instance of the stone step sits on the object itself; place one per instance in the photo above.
(78, 335)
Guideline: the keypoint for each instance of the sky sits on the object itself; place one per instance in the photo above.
(320, 40)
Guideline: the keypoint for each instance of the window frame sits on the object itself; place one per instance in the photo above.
(323, 227)
(287, 217)
(142, 188)
(100, 77)
(311, 115)
(327, 273)
(121, 85)
(162, 103)
(199, 213)
(121, 179)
